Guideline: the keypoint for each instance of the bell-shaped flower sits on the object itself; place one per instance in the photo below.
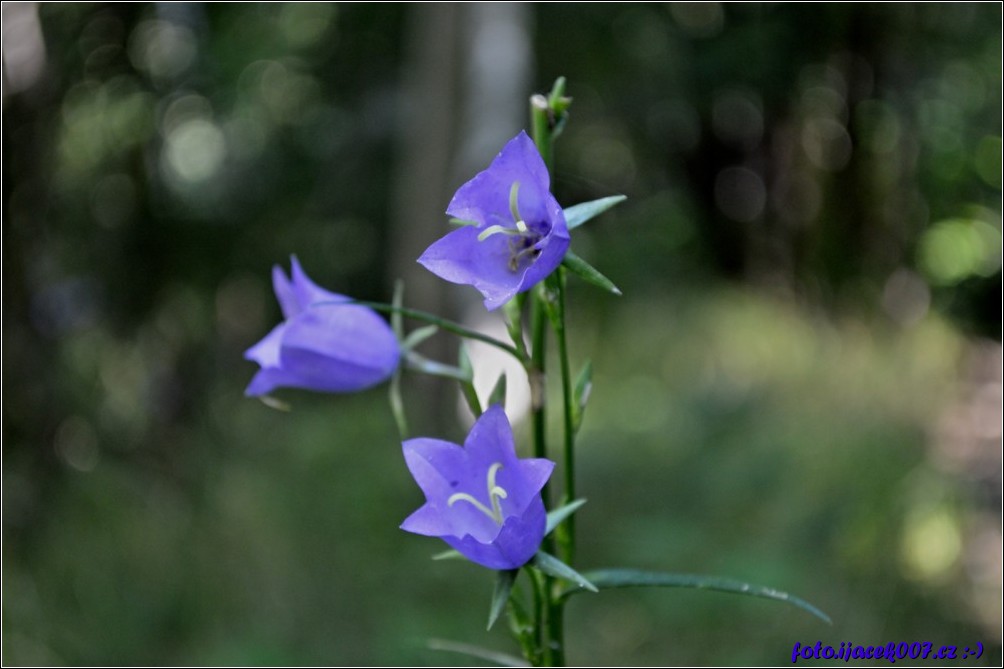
(323, 344)
(480, 498)
(515, 232)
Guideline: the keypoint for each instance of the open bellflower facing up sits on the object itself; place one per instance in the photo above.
(480, 498)
(516, 233)
(322, 345)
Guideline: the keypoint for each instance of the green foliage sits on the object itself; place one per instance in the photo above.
(605, 579)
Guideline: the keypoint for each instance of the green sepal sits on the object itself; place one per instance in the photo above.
(418, 362)
(555, 517)
(627, 578)
(275, 403)
(499, 658)
(503, 588)
(552, 566)
(578, 214)
(460, 222)
(580, 267)
(418, 336)
(556, 99)
(449, 555)
(497, 395)
(580, 395)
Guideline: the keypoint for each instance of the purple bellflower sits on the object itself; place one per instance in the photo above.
(480, 498)
(322, 345)
(516, 233)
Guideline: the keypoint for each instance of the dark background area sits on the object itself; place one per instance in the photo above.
(801, 386)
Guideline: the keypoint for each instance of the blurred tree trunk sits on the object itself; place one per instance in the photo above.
(464, 83)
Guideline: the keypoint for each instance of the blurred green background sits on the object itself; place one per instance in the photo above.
(801, 386)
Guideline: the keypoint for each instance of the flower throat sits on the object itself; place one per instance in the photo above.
(523, 241)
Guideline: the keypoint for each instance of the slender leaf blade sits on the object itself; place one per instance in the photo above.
(467, 388)
(554, 567)
(628, 578)
(497, 395)
(578, 214)
(583, 269)
(555, 517)
(501, 659)
(503, 588)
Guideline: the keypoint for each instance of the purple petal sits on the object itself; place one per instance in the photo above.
(442, 469)
(284, 292)
(268, 379)
(515, 544)
(490, 439)
(485, 198)
(338, 348)
(500, 265)
(460, 258)
(307, 292)
(427, 521)
(266, 352)
(324, 344)
(438, 466)
(553, 248)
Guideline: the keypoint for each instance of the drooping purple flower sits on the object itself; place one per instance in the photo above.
(322, 345)
(480, 498)
(520, 235)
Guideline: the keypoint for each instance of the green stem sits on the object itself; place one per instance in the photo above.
(540, 604)
(536, 370)
(540, 129)
(536, 373)
(442, 323)
(565, 533)
(544, 116)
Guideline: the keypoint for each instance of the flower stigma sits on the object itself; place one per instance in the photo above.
(495, 493)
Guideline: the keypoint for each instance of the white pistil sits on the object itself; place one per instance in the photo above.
(495, 493)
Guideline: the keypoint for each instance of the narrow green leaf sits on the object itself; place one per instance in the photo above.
(462, 222)
(416, 337)
(583, 389)
(467, 387)
(555, 517)
(497, 395)
(554, 567)
(578, 214)
(628, 578)
(501, 659)
(557, 91)
(579, 266)
(503, 588)
(449, 555)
